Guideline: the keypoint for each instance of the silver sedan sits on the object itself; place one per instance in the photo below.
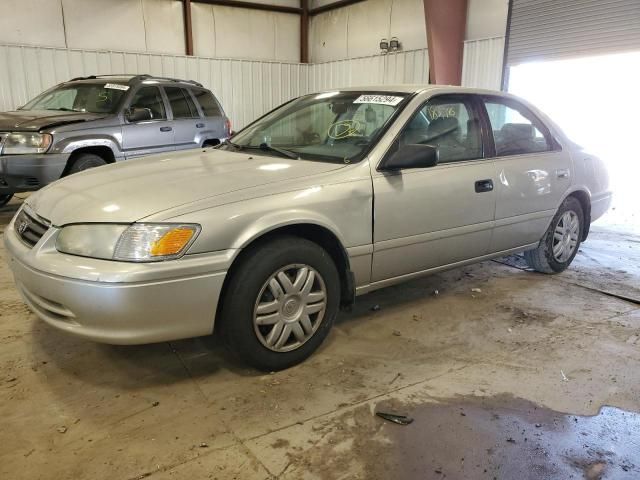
(327, 197)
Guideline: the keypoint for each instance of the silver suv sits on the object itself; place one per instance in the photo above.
(92, 121)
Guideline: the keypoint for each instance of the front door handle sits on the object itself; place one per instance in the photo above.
(199, 125)
(484, 185)
(562, 173)
(165, 129)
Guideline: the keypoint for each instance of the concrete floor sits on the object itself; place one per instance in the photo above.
(501, 384)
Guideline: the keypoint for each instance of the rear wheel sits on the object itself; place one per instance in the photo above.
(85, 161)
(560, 243)
(280, 303)
(4, 199)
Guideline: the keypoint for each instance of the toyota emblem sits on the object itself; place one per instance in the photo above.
(22, 227)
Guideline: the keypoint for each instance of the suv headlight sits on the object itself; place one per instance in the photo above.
(140, 242)
(28, 142)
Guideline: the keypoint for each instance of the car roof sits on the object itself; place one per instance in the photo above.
(417, 88)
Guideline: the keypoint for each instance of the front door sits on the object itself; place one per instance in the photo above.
(431, 217)
(533, 171)
(148, 136)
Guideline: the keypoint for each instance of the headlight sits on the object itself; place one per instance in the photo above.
(21, 143)
(141, 242)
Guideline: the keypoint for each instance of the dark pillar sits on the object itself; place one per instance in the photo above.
(304, 31)
(188, 30)
(446, 22)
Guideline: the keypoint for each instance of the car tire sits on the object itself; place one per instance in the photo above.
(4, 199)
(560, 243)
(85, 161)
(254, 321)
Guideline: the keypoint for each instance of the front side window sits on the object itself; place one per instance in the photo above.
(515, 130)
(208, 103)
(333, 126)
(150, 99)
(448, 123)
(80, 97)
(181, 103)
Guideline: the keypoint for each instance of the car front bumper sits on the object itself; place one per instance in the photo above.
(25, 173)
(118, 302)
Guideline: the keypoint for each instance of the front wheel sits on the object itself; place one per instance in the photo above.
(85, 161)
(280, 303)
(561, 241)
(4, 199)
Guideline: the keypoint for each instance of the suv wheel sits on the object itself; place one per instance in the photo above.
(85, 161)
(280, 303)
(561, 241)
(4, 199)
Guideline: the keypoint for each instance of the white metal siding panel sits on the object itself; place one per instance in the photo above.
(551, 29)
(482, 63)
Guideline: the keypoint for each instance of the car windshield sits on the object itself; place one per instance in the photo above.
(80, 97)
(333, 126)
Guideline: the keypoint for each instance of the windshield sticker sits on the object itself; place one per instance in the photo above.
(116, 86)
(344, 129)
(379, 99)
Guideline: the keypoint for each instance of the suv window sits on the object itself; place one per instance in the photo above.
(208, 103)
(516, 130)
(181, 103)
(151, 99)
(449, 123)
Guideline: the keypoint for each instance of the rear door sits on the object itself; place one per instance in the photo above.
(187, 122)
(426, 218)
(148, 136)
(534, 172)
(215, 121)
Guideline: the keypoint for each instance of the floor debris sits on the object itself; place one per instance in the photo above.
(399, 419)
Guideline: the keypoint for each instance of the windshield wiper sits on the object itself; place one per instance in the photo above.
(265, 147)
(286, 153)
(63, 109)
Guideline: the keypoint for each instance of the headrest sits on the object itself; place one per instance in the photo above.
(521, 131)
(443, 125)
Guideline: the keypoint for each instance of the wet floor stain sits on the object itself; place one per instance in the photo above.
(508, 438)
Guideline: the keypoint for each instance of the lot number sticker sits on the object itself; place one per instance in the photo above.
(115, 86)
(379, 99)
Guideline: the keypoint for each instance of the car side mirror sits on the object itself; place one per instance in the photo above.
(136, 114)
(413, 156)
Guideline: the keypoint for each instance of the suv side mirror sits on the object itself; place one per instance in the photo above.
(136, 114)
(412, 156)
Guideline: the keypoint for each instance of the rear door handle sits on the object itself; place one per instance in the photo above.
(484, 185)
(165, 129)
(199, 125)
(562, 173)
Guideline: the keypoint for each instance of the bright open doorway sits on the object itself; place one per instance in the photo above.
(596, 100)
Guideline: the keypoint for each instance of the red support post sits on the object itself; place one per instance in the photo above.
(446, 23)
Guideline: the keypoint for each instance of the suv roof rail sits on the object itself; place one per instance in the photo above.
(154, 77)
(144, 76)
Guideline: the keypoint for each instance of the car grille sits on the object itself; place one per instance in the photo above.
(3, 135)
(30, 228)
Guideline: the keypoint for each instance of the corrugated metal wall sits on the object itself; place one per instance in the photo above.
(246, 88)
(482, 63)
(401, 67)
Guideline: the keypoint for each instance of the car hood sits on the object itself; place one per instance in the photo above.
(36, 120)
(135, 189)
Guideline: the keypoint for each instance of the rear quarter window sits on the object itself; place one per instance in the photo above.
(208, 103)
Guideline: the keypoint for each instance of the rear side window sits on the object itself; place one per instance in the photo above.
(181, 103)
(208, 103)
(151, 99)
(516, 131)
